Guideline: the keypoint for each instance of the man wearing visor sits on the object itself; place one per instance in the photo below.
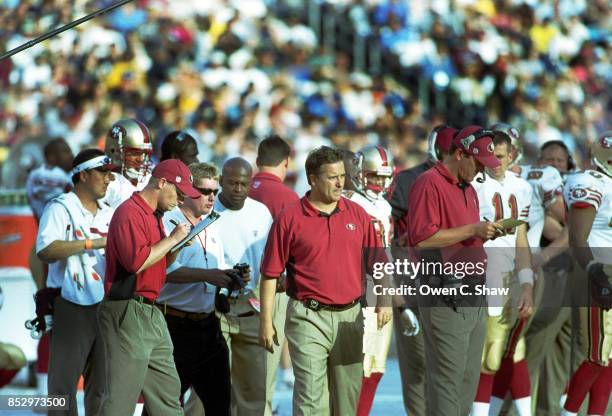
(72, 238)
(445, 220)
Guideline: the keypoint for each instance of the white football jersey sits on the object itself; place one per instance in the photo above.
(595, 189)
(547, 186)
(121, 189)
(498, 200)
(380, 211)
(44, 184)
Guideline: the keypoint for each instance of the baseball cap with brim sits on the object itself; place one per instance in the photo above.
(477, 142)
(98, 162)
(178, 174)
(444, 139)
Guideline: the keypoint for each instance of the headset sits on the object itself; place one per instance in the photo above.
(571, 165)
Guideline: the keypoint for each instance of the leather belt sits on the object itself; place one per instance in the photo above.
(315, 305)
(192, 316)
(142, 299)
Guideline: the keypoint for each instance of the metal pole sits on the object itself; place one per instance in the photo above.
(62, 29)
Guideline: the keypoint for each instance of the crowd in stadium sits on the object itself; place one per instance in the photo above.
(235, 70)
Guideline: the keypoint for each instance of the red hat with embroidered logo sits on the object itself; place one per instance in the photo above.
(477, 142)
(178, 174)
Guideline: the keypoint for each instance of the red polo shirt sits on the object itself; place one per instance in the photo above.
(437, 202)
(321, 253)
(133, 230)
(270, 191)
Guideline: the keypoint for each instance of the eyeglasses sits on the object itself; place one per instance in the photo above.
(207, 191)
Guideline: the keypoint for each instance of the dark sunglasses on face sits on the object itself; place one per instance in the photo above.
(207, 191)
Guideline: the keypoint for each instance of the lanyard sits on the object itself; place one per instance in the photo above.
(202, 243)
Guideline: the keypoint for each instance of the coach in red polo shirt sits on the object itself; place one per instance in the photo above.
(319, 242)
(138, 345)
(267, 186)
(445, 214)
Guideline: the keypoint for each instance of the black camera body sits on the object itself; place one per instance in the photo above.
(221, 299)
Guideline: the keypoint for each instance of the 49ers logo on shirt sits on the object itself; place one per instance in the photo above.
(606, 142)
(351, 227)
(579, 193)
(535, 174)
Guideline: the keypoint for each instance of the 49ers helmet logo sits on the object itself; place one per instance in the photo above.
(118, 132)
(606, 142)
(351, 227)
(579, 193)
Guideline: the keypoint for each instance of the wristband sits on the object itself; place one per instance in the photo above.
(525, 276)
(88, 244)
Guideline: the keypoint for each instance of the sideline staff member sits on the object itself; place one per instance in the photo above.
(71, 238)
(324, 324)
(444, 213)
(137, 342)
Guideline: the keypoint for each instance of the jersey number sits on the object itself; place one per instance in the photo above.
(499, 209)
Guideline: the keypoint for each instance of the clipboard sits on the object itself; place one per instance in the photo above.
(196, 229)
(510, 223)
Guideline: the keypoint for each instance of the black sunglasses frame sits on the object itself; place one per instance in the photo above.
(207, 191)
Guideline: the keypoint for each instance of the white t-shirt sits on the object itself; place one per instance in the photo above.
(121, 189)
(380, 211)
(547, 185)
(80, 282)
(45, 183)
(206, 252)
(595, 189)
(244, 234)
(498, 200)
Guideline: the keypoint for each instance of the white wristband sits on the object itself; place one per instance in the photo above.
(525, 276)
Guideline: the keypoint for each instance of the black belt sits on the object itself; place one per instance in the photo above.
(315, 305)
(142, 299)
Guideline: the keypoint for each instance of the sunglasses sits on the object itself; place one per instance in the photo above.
(207, 191)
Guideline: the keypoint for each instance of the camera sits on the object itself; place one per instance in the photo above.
(223, 294)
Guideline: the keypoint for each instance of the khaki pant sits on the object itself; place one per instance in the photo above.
(139, 359)
(76, 348)
(454, 342)
(326, 352)
(411, 357)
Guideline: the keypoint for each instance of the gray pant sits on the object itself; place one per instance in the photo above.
(454, 341)
(411, 356)
(76, 348)
(139, 359)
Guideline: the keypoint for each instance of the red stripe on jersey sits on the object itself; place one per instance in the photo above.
(383, 156)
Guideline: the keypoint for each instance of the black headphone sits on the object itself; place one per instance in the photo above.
(571, 165)
(467, 142)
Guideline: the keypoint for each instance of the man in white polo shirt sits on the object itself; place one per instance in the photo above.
(244, 226)
(71, 238)
(188, 299)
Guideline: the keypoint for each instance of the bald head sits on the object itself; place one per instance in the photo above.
(237, 164)
(235, 181)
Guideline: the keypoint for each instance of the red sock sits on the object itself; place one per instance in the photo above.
(6, 376)
(503, 378)
(485, 387)
(140, 398)
(580, 384)
(368, 390)
(520, 386)
(600, 392)
(43, 350)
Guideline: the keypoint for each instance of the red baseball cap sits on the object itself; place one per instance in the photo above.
(477, 142)
(444, 140)
(178, 174)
